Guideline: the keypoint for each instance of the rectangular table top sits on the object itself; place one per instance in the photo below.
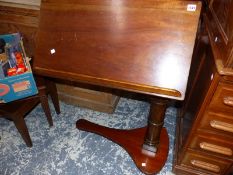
(135, 45)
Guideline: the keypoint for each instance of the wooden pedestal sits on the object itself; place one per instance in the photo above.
(148, 146)
(132, 141)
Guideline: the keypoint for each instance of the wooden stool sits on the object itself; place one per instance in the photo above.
(17, 110)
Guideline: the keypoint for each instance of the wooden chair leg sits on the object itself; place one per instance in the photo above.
(53, 94)
(45, 106)
(23, 130)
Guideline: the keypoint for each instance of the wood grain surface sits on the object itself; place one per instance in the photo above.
(135, 45)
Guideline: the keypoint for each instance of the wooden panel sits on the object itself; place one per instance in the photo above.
(23, 16)
(93, 99)
(200, 85)
(20, 18)
(217, 40)
(223, 13)
(220, 27)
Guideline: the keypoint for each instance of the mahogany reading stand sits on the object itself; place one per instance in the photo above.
(142, 46)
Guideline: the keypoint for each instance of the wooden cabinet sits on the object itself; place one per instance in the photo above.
(204, 142)
(204, 137)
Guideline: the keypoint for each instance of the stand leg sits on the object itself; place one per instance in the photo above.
(155, 124)
(53, 94)
(134, 141)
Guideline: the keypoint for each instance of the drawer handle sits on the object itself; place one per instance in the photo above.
(205, 165)
(215, 148)
(228, 101)
(221, 125)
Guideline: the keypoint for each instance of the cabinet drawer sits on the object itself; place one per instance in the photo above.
(222, 100)
(213, 144)
(218, 123)
(205, 163)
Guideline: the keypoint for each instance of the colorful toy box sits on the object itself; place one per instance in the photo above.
(16, 78)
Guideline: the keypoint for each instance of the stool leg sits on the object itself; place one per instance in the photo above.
(22, 128)
(45, 106)
(54, 96)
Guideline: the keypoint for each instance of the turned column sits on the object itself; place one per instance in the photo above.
(155, 124)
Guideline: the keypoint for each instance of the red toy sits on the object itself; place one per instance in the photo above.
(19, 59)
(12, 71)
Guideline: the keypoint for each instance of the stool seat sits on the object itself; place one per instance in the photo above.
(19, 106)
(17, 110)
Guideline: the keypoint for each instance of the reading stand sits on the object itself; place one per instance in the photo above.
(134, 45)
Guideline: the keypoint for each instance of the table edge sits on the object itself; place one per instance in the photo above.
(128, 86)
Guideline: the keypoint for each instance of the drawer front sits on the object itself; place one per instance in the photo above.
(218, 123)
(205, 163)
(222, 100)
(213, 144)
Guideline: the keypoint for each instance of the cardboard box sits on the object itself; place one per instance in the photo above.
(19, 83)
